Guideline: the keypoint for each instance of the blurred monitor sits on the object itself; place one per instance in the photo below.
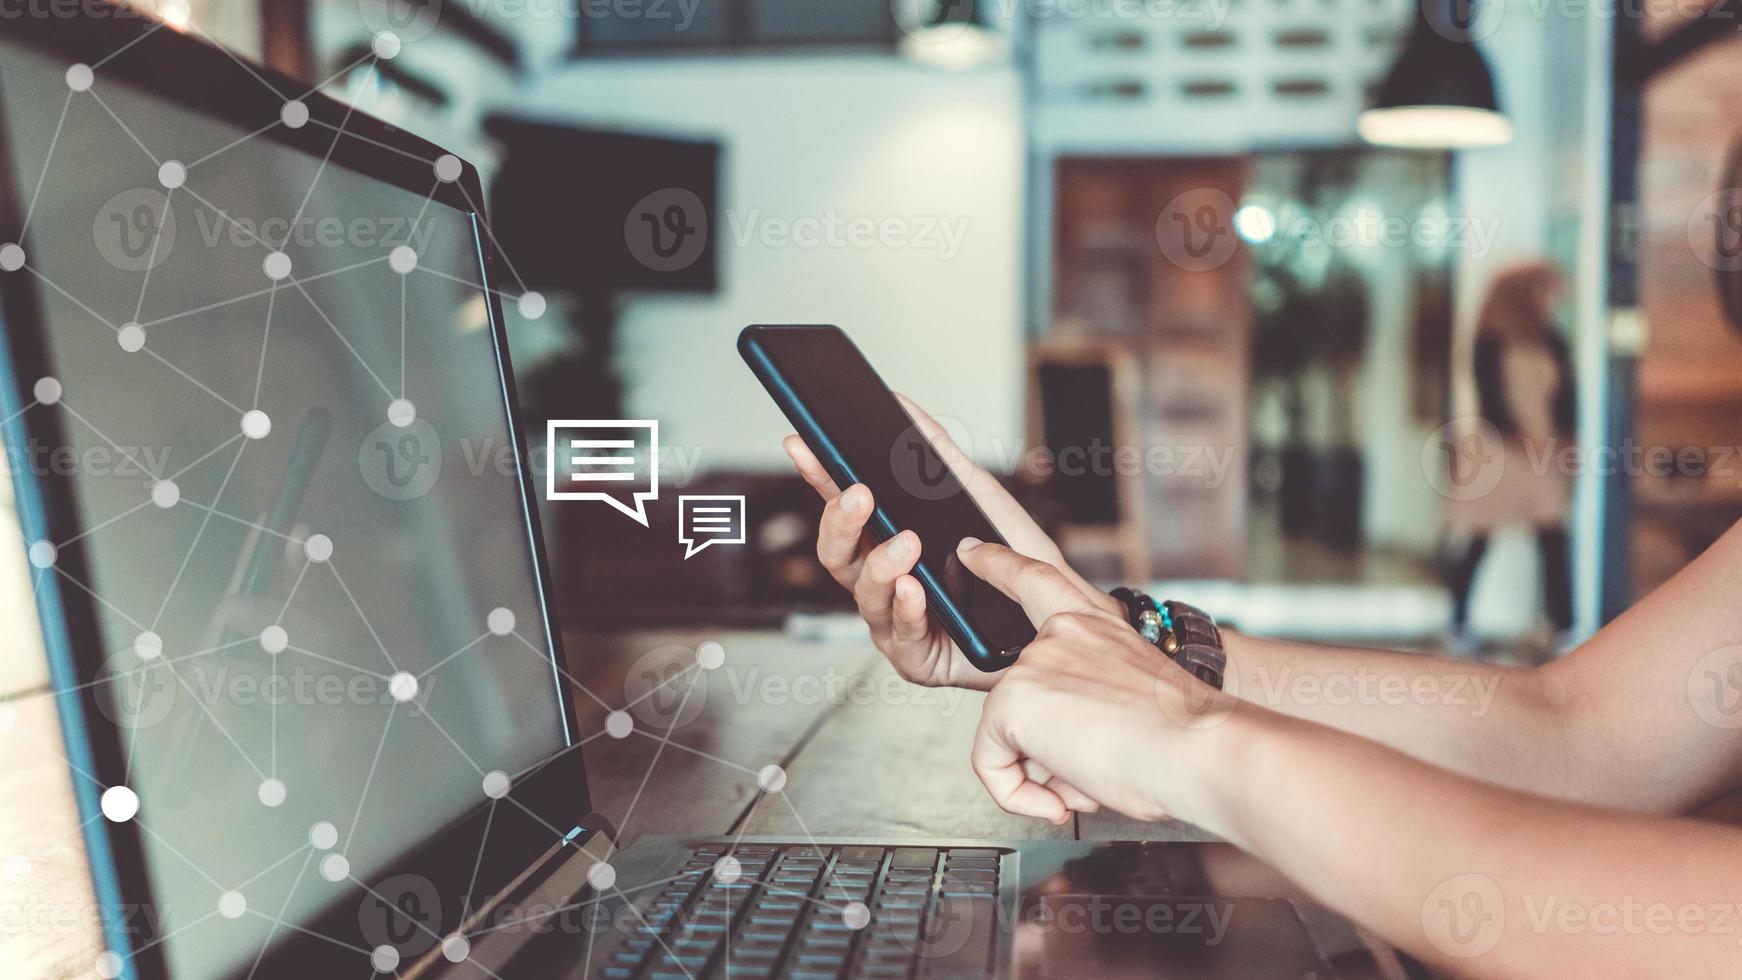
(598, 212)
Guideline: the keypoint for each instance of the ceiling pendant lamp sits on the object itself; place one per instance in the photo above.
(1440, 92)
(955, 34)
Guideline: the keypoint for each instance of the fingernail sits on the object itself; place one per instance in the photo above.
(967, 545)
(899, 548)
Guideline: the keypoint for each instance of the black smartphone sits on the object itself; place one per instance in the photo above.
(852, 421)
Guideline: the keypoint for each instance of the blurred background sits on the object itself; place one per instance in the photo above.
(1244, 298)
(1410, 322)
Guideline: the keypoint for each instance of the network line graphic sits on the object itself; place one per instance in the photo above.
(159, 665)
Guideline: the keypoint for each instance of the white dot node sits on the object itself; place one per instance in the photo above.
(387, 45)
(318, 547)
(447, 168)
(601, 876)
(276, 266)
(323, 835)
(165, 493)
(500, 621)
(256, 424)
(403, 259)
(131, 337)
(401, 412)
(17, 868)
(11, 257)
(403, 686)
(618, 724)
(334, 867)
(172, 174)
(855, 915)
(496, 784)
(456, 948)
(47, 391)
(43, 554)
(272, 792)
(531, 305)
(148, 645)
(108, 965)
(120, 804)
(385, 959)
(710, 655)
(772, 778)
(294, 114)
(231, 905)
(727, 870)
(273, 639)
(80, 77)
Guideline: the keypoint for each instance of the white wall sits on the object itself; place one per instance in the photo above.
(1514, 184)
(809, 137)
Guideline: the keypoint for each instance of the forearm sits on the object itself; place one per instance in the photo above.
(1490, 722)
(1476, 879)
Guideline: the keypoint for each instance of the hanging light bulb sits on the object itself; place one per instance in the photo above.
(1440, 93)
(954, 34)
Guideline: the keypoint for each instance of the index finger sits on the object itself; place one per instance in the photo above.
(1042, 589)
(810, 468)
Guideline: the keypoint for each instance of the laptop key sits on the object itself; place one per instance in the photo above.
(914, 857)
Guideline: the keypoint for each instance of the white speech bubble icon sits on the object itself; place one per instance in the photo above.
(708, 520)
(614, 460)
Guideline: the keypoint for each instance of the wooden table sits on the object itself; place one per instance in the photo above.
(863, 753)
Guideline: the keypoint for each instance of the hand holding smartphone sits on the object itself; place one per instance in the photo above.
(855, 426)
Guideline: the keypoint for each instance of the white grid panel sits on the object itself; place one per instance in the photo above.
(1207, 76)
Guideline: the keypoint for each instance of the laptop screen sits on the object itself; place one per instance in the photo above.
(299, 509)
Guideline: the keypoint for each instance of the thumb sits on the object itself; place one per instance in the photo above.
(1041, 589)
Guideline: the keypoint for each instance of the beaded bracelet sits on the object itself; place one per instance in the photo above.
(1187, 635)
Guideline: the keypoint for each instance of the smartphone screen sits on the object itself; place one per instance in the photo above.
(851, 420)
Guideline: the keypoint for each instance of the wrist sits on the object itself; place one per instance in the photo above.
(1220, 774)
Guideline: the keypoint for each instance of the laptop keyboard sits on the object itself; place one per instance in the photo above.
(798, 912)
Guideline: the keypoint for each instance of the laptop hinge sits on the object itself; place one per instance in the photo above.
(553, 884)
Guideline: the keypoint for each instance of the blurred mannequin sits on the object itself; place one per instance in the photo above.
(1525, 385)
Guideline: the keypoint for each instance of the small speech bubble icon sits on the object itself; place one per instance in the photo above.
(702, 521)
(616, 461)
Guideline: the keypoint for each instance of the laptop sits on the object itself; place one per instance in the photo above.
(302, 642)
